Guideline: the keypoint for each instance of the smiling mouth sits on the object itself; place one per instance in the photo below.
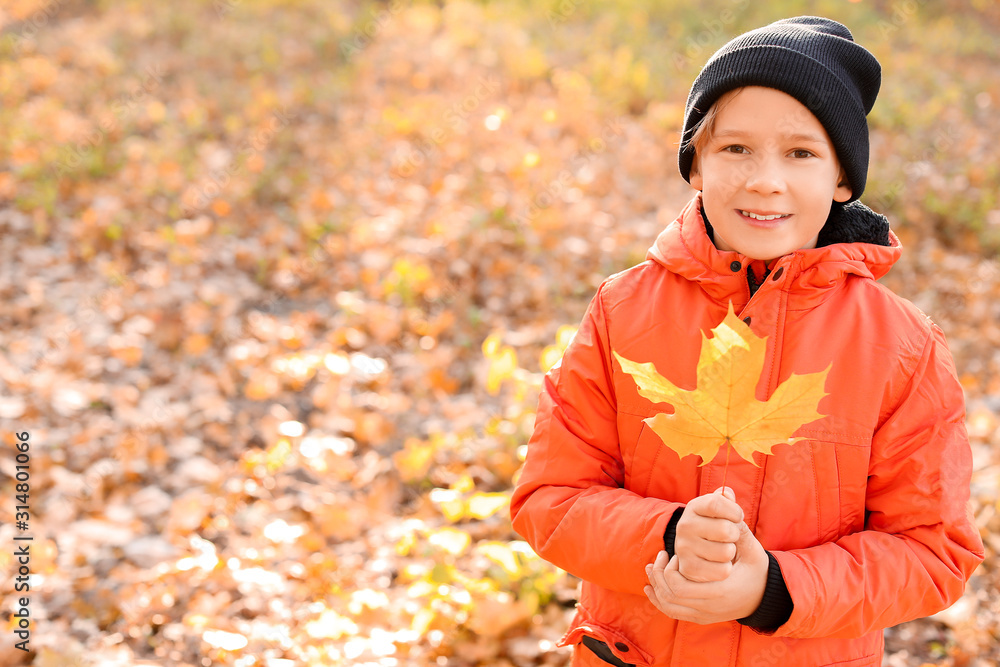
(759, 216)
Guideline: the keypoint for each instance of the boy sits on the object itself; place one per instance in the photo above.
(804, 558)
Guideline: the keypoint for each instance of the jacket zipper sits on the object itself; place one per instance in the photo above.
(754, 293)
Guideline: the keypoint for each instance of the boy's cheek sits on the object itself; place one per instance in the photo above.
(697, 182)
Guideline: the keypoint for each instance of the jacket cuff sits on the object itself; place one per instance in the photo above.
(671, 532)
(776, 606)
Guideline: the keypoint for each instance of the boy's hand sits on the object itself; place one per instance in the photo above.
(737, 596)
(705, 541)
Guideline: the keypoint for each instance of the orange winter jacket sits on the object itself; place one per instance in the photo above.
(867, 518)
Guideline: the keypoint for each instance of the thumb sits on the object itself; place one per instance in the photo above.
(746, 543)
(745, 535)
(726, 492)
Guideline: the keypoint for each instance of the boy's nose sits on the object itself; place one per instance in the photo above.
(764, 177)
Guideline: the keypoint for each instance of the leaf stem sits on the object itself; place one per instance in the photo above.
(725, 472)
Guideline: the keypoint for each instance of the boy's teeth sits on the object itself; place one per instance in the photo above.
(763, 217)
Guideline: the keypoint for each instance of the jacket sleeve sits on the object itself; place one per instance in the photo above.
(569, 503)
(920, 544)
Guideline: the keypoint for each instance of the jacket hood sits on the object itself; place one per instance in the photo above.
(685, 248)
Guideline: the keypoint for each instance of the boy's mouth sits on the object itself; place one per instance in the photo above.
(766, 217)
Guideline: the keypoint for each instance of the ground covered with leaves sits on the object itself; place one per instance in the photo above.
(280, 279)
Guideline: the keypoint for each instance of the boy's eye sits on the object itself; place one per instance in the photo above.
(801, 152)
(735, 149)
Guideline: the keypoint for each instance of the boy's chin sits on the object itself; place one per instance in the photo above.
(772, 253)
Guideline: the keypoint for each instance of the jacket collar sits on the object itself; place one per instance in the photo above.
(685, 249)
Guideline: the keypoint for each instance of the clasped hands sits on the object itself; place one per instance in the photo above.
(719, 569)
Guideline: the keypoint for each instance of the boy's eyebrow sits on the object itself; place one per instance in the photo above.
(796, 136)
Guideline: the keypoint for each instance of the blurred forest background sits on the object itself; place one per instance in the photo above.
(279, 280)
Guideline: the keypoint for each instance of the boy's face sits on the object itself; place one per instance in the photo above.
(767, 156)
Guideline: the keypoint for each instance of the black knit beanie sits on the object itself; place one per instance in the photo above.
(813, 59)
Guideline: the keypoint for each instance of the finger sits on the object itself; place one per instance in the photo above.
(657, 580)
(710, 550)
(654, 600)
(672, 580)
(676, 589)
(658, 563)
(672, 564)
(651, 596)
(700, 571)
(706, 528)
(683, 610)
(683, 613)
(654, 573)
(719, 506)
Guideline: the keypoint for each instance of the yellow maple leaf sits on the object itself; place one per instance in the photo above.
(724, 407)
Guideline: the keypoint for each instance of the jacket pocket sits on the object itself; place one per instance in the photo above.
(813, 492)
(602, 651)
(605, 641)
